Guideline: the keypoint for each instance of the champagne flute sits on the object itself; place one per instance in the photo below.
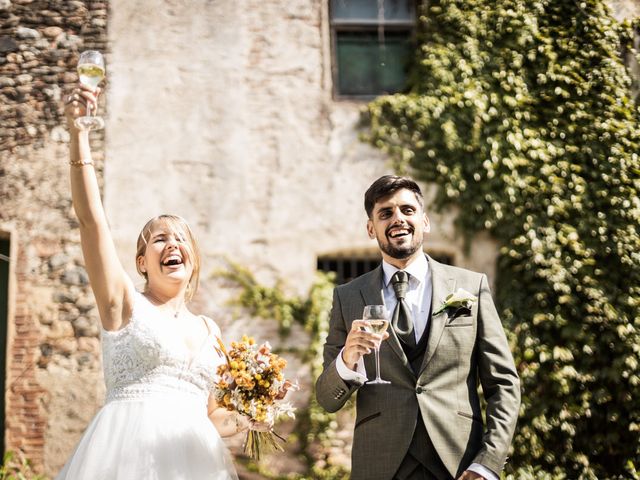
(91, 73)
(377, 318)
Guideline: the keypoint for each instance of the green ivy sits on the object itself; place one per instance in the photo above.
(316, 426)
(521, 111)
(16, 467)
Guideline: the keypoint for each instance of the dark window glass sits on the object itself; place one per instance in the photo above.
(347, 268)
(366, 66)
(372, 45)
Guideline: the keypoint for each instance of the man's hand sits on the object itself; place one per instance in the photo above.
(359, 343)
(469, 475)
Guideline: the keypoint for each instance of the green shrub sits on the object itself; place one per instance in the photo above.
(16, 467)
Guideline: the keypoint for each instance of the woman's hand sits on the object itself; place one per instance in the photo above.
(244, 423)
(260, 426)
(75, 104)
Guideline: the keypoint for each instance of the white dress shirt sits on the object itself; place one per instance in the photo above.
(418, 298)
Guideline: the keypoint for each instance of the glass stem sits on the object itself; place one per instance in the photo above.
(377, 353)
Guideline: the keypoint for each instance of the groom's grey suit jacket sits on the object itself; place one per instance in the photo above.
(464, 349)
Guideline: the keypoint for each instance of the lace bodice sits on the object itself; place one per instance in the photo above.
(145, 358)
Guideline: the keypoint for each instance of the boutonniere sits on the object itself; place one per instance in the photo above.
(459, 299)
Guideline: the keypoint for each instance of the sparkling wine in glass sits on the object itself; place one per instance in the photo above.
(91, 73)
(377, 318)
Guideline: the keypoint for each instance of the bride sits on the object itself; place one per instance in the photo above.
(159, 420)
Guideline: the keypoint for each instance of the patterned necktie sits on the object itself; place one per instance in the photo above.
(401, 320)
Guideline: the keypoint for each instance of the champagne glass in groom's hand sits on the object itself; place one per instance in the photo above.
(376, 321)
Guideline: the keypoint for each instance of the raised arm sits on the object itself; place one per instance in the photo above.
(111, 285)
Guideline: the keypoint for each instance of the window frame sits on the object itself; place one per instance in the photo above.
(368, 26)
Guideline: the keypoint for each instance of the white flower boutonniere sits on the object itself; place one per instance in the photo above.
(460, 298)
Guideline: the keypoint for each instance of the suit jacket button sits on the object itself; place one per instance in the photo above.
(419, 390)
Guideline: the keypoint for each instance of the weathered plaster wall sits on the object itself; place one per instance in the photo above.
(224, 115)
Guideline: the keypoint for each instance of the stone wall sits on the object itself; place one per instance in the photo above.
(53, 371)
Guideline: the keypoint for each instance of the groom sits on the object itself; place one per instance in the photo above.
(427, 424)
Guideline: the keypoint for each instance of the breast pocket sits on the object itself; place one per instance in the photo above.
(460, 321)
(459, 335)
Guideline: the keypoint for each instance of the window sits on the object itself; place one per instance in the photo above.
(348, 267)
(372, 45)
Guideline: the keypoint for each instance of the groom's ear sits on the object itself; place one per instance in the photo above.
(370, 231)
(426, 223)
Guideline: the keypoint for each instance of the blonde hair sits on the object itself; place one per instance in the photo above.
(178, 227)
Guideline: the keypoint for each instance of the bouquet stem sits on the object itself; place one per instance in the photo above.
(259, 443)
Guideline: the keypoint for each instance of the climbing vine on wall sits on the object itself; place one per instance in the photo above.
(522, 112)
(315, 427)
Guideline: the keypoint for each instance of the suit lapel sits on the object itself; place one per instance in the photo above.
(442, 285)
(372, 295)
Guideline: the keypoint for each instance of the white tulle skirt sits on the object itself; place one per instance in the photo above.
(156, 438)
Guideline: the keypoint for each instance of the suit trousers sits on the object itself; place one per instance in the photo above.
(422, 461)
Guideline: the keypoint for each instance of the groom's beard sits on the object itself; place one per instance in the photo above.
(403, 251)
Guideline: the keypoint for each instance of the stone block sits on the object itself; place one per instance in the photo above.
(52, 32)
(58, 260)
(64, 297)
(75, 276)
(85, 303)
(25, 33)
(60, 134)
(86, 327)
(58, 330)
(66, 346)
(8, 44)
(89, 345)
(12, 21)
(24, 78)
(31, 64)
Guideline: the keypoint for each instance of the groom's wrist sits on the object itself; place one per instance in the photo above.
(349, 365)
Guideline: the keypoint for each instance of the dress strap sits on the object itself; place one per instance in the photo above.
(206, 324)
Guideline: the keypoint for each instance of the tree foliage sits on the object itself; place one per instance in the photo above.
(522, 112)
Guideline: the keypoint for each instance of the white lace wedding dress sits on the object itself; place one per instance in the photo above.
(154, 423)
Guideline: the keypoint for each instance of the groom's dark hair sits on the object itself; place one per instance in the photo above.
(388, 185)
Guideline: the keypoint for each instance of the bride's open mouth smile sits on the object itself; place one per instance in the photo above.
(173, 262)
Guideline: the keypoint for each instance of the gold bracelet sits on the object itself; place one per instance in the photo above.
(80, 163)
